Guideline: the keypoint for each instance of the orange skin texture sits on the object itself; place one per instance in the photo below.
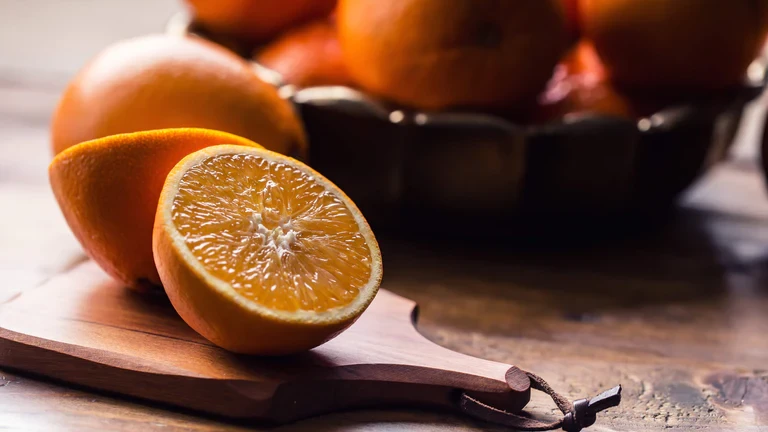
(217, 317)
(257, 20)
(307, 56)
(676, 43)
(159, 82)
(438, 54)
(108, 191)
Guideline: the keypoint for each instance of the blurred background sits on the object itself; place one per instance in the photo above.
(55, 38)
(44, 43)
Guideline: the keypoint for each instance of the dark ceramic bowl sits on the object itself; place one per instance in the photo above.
(448, 165)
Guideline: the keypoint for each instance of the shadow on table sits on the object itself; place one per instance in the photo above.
(666, 271)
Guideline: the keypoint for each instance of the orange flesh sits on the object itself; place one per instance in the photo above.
(277, 236)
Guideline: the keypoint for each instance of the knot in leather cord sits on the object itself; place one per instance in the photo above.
(576, 416)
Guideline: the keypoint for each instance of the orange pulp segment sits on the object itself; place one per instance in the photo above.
(273, 233)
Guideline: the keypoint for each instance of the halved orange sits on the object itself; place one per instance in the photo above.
(108, 189)
(259, 253)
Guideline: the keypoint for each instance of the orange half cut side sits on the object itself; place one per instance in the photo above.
(261, 254)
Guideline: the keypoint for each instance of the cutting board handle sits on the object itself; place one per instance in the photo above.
(576, 416)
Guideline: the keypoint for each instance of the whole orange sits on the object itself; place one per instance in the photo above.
(435, 54)
(158, 82)
(693, 44)
(256, 20)
(108, 191)
(309, 55)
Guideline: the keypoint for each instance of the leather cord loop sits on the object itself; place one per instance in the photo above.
(576, 415)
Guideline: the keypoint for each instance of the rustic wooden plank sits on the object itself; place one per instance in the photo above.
(29, 404)
(680, 323)
(35, 241)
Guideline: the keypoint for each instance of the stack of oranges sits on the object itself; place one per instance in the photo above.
(636, 56)
(427, 54)
(490, 54)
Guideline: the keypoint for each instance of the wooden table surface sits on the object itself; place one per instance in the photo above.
(678, 316)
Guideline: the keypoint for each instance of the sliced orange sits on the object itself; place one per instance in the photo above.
(108, 189)
(259, 253)
(306, 56)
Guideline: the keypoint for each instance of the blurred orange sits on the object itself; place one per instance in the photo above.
(579, 85)
(158, 82)
(257, 20)
(435, 54)
(691, 44)
(309, 55)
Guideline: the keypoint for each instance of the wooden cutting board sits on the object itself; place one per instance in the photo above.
(82, 327)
